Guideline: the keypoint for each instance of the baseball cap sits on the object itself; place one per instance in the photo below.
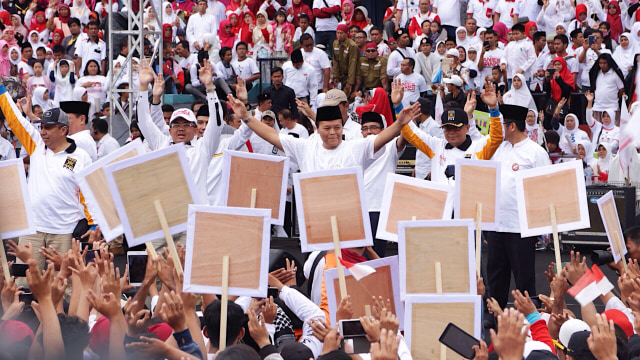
(334, 97)
(269, 113)
(578, 344)
(453, 52)
(55, 116)
(570, 327)
(425, 105)
(454, 117)
(619, 318)
(455, 80)
(472, 48)
(184, 114)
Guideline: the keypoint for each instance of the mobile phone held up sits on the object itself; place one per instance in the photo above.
(459, 341)
(137, 261)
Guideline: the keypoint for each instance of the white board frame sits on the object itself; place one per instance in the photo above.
(487, 226)
(304, 245)
(583, 223)
(22, 176)
(261, 292)
(476, 300)
(126, 225)
(609, 197)
(402, 250)
(392, 261)
(92, 205)
(385, 207)
(226, 171)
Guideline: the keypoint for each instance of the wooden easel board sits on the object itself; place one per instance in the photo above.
(426, 317)
(405, 197)
(561, 185)
(611, 222)
(478, 181)
(423, 243)
(243, 234)
(244, 171)
(384, 282)
(93, 184)
(138, 182)
(322, 194)
(16, 218)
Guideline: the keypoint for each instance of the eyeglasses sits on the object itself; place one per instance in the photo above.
(181, 125)
(612, 7)
(372, 50)
(359, 37)
(371, 127)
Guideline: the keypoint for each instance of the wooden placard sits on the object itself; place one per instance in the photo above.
(426, 317)
(478, 181)
(561, 185)
(243, 171)
(138, 182)
(243, 234)
(16, 218)
(322, 194)
(422, 244)
(384, 282)
(611, 222)
(93, 184)
(406, 197)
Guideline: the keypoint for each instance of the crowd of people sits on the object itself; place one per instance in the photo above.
(353, 86)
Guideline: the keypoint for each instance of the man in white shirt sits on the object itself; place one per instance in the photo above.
(482, 12)
(291, 126)
(318, 60)
(100, 133)
(200, 25)
(430, 127)
(402, 52)
(504, 13)
(326, 13)
(519, 55)
(350, 128)
(490, 55)
(217, 9)
(188, 59)
(449, 13)
(78, 113)
(376, 37)
(245, 66)
(7, 151)
(526, 8)
(405, 10)
(26, 52)
(508, 251)
(91, 48)
(609, 83)
(414, 84)
(301, 77)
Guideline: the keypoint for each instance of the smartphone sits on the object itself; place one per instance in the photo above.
(486, 45)
(137, 261)
(273, 291)
(592, 39)
(19, 270)
(85, 245)
(27, 298)
(355, 338)
(351, 328)
(6, 251)
(459, 341)
(551, 71)
(91, 256)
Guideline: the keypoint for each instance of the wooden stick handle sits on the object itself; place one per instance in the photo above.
(223, 302)
(438, 278)
(478, 236)
(556, 242)
(167, 234)
(413, 218)
(254, 193)
(5, 264)
(151, 250)
(336, 248)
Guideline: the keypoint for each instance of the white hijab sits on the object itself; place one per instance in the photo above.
(466, 43)
(520, 97)
(36, 45)
(16, 62)
(78, 93)
(38, 98)
(168, 19)
(624, 57)
(604, 162)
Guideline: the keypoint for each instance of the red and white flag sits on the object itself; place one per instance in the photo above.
(633, 126)
(627, 144)
(439, 110)
(603, 284)
(586, 289)
(357, 270)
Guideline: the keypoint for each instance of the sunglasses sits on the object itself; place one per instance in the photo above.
(612, 7)
(371, 50)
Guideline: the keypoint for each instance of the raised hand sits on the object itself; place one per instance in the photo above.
(269, 310)
(241, 90)
(523, 302)
(409, 113)
(39, 284)
(602, 341)
(136, 321)
(145, 74)
(387, 349)
(470, 105)
(493, 307)
(172, 312)
(509, 341)
(258, 330)
(482, 353)
(576, 268)
(345, 309)
(107, 304)
(52, 255)
(158, 86)
(372, 327)
(206, 74)
(23, 252)
(238, 107)
(589, 95)
(397, 92)
(489, 96)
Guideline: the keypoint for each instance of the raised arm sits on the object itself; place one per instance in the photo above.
(266, 132)
(490, 98)
(26, 133)
(156, 105)
(392, 131)
(211, 136)
(154, 136)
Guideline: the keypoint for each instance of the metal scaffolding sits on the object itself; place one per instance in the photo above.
(135, 34)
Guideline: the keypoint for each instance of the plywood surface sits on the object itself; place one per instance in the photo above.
(477, 184)
(325, 196)
(217, 235)
(157, 179)
(560, 189)
(13, 215)
(264, 176)
(377, 284)
(97, 181)
(609, 213)
(408, 201)
(428, 321)
(427, 245)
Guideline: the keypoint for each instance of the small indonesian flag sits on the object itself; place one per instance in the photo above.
(603, 284)
(586, 289)
(357, 270)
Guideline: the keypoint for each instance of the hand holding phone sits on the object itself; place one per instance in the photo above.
(459, 341)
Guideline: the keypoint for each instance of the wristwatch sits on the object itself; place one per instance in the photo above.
(246, 121)
(211, 89)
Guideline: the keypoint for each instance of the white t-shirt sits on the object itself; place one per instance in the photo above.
(606, 93)
(107, 145)
(298, 33)
(448, 11)
(482, 12)
(330, 23)
(506, 11)
(245, 68)
(490, 59)
(409, 10)
(413, 85)
(319, 60)
(375, 176)
(300, 130)
(85, 142)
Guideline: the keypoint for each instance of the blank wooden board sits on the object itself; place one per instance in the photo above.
(267, 174)
(611, 222)
(15, 208)
(423, 243)
(214, 232)
(384, 282)
(425, 322)
(138, 182)
(93, 183)
(405, 198)
(478, 181)
(322, 194)
(561, 185)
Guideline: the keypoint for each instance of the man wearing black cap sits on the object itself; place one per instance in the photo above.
(402, 52)
(429, 126)
(53, 189)
(264, 104)
(457, 143)
(301, 77)
(78, 112)
(507, 250)
(330, 152)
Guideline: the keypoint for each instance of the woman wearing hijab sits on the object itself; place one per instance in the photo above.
(299, 7)
(559, 85)
(461, 37)
(9, 35)
(234, 19)
(80, 11)
(533, 127)
(604, 130)
(569, 133)
(530, 28)
(625, 54)
(150, 20)
(56, 38)
(167, 33)
(582, 20)
(608, 42)
(39, 24)
(612, 14)
(61, 21)
(227, 37)
(502, 31)
(519, 94)
(41, 98)
(347, 11)
(630, 81)
(5, 62)
(600, 166)
(14, 59)
(585, 152)
(35, 41)
(18, 27)
(261, 35)
(170, 17)
(379, 103)
(359, 18)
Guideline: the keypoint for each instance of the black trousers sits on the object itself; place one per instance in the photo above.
(379, 245)
(508, 253)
